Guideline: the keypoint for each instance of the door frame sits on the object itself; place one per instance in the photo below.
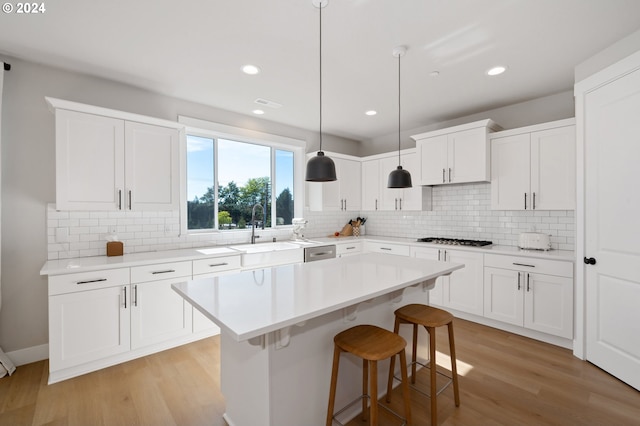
(625, 66)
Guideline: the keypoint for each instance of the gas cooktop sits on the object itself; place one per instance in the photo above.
(454, 241)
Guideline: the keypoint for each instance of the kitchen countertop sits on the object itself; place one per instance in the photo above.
(252, 303)
(95, 263)
(566, 255)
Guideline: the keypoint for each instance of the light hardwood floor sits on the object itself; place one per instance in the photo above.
(505, 380)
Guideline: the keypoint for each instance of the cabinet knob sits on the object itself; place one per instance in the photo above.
(589, 261)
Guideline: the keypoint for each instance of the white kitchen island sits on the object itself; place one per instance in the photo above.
(277, 328)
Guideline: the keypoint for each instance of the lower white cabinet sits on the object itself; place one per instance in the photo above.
(463, 289)
(523, 292)
(387, 248)
(102, 318)
(349, 248)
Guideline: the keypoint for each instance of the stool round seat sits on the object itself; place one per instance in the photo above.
(424, 315)
(370, 342)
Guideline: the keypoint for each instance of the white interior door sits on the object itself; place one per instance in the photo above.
(612, 227)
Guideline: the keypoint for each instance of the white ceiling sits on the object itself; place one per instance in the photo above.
(194, 50)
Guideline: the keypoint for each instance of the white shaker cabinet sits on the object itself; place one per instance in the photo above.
(463, 289)
(533, 168)
(109, 163)
(375, 176)
(158, 313)
(89, 317)
(457, 154)
(342, 194)
(532, 293)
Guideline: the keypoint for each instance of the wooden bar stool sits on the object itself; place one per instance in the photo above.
(430, 318)
(372, 344)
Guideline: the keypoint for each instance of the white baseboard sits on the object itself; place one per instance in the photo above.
(29, 355)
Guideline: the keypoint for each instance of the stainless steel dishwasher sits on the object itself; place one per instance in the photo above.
(311, 254)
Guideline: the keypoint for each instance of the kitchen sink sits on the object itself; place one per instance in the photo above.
(265, 247)
(270, 254)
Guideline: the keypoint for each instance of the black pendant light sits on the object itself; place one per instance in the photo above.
(320, 168)
(399, 178)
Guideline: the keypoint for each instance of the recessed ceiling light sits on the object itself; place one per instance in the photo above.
(371, 112)
(250, 69)
(258, 111)
(496, 70)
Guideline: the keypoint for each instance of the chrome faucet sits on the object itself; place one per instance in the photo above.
(253, 222)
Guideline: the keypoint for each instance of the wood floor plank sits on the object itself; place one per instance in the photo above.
(505, 380)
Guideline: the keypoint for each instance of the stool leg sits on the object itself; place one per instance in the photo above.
(432, 367)
(405, 386)
(414, 354)
(334, 383)
(373, 371)
(392, 366)
(365, 388)
(454, 369)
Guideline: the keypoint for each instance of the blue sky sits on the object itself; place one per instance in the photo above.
(238, 162)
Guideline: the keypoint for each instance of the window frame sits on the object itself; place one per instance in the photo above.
(208, 129)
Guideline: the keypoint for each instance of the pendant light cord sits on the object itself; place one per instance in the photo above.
(320, 12)
(399, 109)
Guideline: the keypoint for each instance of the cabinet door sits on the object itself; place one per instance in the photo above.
(468, 156)
(432, 154)
(464, 291)
(435, 294)
(152, 167)
(370, 185)
(390, 197)
(88, 325)
(350, 184)
(158, 313)
(503, 291)
(412, 197)
(89, 161)
(553, 169)
(510, 173)
(548, 304)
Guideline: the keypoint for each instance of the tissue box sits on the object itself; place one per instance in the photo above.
(115, 248)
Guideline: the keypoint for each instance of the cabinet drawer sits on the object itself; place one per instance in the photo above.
(349, 248)
(216, 264)
(397, 249)
(541, 266)
(160, 271)
(82, 281)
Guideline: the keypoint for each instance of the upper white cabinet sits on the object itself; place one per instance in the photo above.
(533, 168)
(375, 175)
(455, 155)
(342, 194)
(106, 162)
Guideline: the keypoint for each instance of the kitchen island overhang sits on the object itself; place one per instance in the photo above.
(277, 327)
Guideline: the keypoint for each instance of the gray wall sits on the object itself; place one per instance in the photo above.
(28, 175)
(608, 56)
(541, 110)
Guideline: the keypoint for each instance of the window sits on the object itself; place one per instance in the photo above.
(227, 176)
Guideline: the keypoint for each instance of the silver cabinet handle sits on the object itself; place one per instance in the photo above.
(400, 203)
(91, 281)
(528, 282)
(534, 201)
(125, 296)
(518, 280)
(438, 255)
(320, 253)
(449, 174)
(443, 172)
(524, 264)
(351, 248)
(345, 204)
(213, 265)
(445, 255)
(525, 200)
(396, 204)
(119, 199)
(376, 204)
(163, 272)
(129, 199)
(385, 248)
(135, 295)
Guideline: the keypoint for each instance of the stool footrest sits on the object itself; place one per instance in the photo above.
(360, 398)
(417, 389)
